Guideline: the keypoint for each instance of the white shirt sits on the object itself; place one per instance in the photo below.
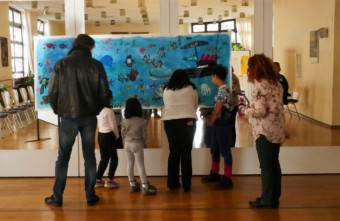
(106, 122)
(179, 104)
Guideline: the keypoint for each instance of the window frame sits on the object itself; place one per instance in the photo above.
(41, 31)
(12, 26)
(234, 29)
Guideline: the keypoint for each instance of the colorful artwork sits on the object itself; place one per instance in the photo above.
(140, 66)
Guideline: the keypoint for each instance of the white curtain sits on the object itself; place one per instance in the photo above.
(28, 42)
(245, 33)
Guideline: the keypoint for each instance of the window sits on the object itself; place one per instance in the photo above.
(40, 27)
(222, 26)
(214, 27)
(198, 28)
(17, 42)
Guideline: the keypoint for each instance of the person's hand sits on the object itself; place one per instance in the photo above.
(242, 111)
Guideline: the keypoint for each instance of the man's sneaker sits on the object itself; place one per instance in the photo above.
(225, 183)
(99, 183)
(134, 186)
(111, 184)
(211, 178)
(149, 189)
(93, 200)
(51, 200)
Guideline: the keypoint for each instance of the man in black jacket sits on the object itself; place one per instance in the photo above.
(78, 89)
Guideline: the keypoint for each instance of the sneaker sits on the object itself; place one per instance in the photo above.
(99, 183)
(211, 178)
(149, 189)
(111, 184)
(225, 183)
(93, 201)
(134, 186)
(51, 200)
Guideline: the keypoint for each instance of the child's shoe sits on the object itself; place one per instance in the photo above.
(111, 184)
(134, 186)
(211, 178)
(149, 189)
(99, 183)
(225, 183)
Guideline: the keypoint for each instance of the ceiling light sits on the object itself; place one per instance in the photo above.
(193, 3)
(209, 11)
(34, 4)
(57, 15)
(89, 4)
(141, 4)
(103, 14)
(234, 8)
(245, 3)
(226, 13)
(122, 12)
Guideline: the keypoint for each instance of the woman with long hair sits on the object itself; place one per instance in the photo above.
(179, 115)
(267, 120)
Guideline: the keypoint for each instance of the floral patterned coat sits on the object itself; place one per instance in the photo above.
(266, 111)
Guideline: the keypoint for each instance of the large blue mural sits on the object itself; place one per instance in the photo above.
(140, 65)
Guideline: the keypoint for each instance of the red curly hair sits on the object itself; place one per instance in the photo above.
(261, 67)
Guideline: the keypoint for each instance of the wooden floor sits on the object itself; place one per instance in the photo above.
(301, 133)
(304, 198)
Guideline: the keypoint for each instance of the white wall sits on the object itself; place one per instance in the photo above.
(293, 22)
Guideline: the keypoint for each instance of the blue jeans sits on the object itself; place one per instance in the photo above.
(68, 130)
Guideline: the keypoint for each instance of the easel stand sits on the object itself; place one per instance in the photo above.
(38, 134)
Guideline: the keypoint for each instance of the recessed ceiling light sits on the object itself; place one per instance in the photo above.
(122, 12)
(34, 4)
(103, 14)
(226, 13)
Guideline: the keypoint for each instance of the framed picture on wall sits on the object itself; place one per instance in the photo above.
(4, 51)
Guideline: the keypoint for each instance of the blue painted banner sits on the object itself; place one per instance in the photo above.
(140, 66)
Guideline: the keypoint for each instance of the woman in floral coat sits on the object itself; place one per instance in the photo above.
(267, 119)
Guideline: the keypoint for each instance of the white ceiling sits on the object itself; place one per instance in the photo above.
(133, 12)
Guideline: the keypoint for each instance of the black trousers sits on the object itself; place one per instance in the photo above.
(180, 133)
(268, 154)
(108, 151)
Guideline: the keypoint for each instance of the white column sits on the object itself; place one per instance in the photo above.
(263, 28)
(169, 16)
(74, 17)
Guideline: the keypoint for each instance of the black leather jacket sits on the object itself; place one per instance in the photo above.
(78, 86)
